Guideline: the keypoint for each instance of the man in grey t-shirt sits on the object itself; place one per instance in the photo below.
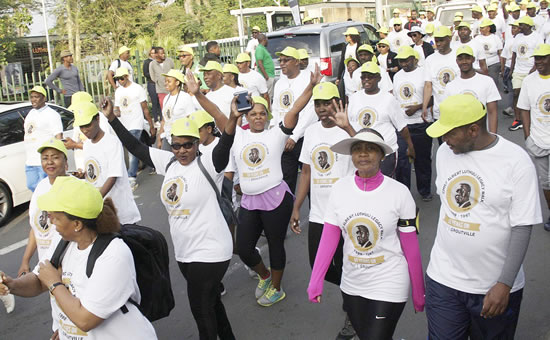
(68, 74)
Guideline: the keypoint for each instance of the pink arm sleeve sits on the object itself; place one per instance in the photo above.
(411, 250)
(325, 252)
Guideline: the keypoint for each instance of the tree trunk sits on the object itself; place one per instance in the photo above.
(70, 24)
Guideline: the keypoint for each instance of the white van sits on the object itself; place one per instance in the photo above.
(445, 13)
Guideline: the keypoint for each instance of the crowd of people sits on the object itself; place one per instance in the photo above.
(354, 143)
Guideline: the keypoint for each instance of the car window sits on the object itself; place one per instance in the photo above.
(11, 127)
(308, 41)
(447, 15)
(338, 40)
(372, 35)
(67, 117)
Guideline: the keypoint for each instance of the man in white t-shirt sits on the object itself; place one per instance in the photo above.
(220, 94)
(489, 203)
(522, 62)
(465, 38)
(286, 91)
(408, 89)
(252, 44)
(439, 70)
(492, 12)
(249, 79)
(477, 15)
(122, 61)
(104, 163)
(478, 85)
(430, 19)
(511, 13)
(131, 107)
(534, 103)
(41, 124)
(398, 37)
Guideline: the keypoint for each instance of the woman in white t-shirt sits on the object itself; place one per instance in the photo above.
(177, 104)
(350, 87)
(86, 307)
(380, 263)
(231, 77)
(201, 237)
(492, 45)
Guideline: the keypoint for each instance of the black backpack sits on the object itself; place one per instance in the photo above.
(151, 259)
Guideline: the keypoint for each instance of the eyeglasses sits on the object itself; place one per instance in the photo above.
(383, 46)
(187, 145)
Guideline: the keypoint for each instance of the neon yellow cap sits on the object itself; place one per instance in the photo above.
(492, 8)
(429, 28)
(465, 49)
(185, 127)
(526, 20)
(121, 72)
(262, 101)
(212, 65)
(81, 96)
(201, 118)
(486, 22)
(384, 30)
(370, 67)
(365, 47)
(397, 21)
(351, 31)
(464, 24)
(442, 31)
(531, 5)
(350, 58)
(456, 111)
(384, 42)
(54, 143)
(396, 10)
(187, 49)
(256, 28)
(302, 54)
(230, 68)
(541, 50)
(459, 14)
(477, 8)
(39, 89)
(175, 74)
(72, 196)
(289, 52)
(430, 10)
(405, 52)
(325, 91)
(513, 7)
(122, 50)
(84, 112)
(242, 57)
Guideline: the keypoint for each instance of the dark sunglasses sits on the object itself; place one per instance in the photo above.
(184, 55)
(187, 146)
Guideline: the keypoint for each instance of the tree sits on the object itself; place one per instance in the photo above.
(15, 19)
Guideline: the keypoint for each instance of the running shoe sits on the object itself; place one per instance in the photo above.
(9, 302)
(547, 225)
(271, 296)
(508, 111)
(347, 332)
(516, 125)
(133, 183)
(262, 287)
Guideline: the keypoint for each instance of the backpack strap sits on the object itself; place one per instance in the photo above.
(209, 178)
(59, 253)
(169, 163)
(100, 244)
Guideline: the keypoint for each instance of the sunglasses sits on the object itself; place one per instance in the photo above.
(184, 55)
(187, 146)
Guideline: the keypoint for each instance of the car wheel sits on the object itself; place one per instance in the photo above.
(6, 204)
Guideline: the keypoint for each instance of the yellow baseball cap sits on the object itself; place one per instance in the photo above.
(122, 50)
(256, 28)
(351, 31)
(465, 49)
(365, 47)
(201, 118)
(430, 10)
(429, 28)
(396, 10)
(531, 5)
(541, 50)
(302, 54)
(397, 21)
(459, 14)
(81, 96)
(526, 20)
(464, 24)
(492, 8)
(73, 196)
(514, 7)
(405, 52)
(384, 42)
(306, 19)
(185, 127)
(242, 57)
(38, 89)
(350, 58)
(384, 30)
(325, 91)
(370, 67)
(442, 31)
(121, 72)
(183, 48)
(230, 68)
(486, 22)
(84, 112)
(514, 23)
(175, 74)
(456, 111)
(54, 143)
(289, 52)
(212, 65)
(262, 101)
(477, 8)
(457, 19)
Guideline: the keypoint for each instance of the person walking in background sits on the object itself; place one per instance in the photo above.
(151, 87)
(68, 74)
(160, 65)
(252, 44)
(265, 63)
(122, 61)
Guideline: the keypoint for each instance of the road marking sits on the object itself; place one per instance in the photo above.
(14, 246)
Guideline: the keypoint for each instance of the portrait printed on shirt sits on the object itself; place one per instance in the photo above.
(486, 47)
(364, 231)
(323, 158)
(167, 112)
(543, 103)
(253, 156)
(406, 91)
(92, 170)
(172, 193)
(367, 117)
(522, 49)
(286, 99)
(30, 128)
(125, 102)
(41, 221)
(445, 76)
(463, 191)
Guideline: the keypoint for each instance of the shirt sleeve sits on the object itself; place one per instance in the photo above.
(115, 166)
(56, 124)
(306, 118)
(113, 66)
(331, 216)
(142, 94)
(523, 99)
(493, 95)
(304, 153)
(407, 210)
(397, 115)
(160, 159)
(525, 208)
(51, 78)
(262, 84)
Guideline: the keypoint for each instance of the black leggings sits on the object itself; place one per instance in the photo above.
(274, 223)
(203, 282)
(334, 273)
(372, 319)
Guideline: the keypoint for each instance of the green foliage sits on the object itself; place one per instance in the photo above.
(15, 19)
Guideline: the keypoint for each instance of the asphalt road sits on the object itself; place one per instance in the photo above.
(294, 317)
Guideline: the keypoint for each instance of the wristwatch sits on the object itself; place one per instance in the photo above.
(54, 285)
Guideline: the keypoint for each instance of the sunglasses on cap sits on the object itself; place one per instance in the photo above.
(187, 145)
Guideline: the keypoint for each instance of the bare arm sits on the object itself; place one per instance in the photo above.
(107, 186)
(262, 68)
(513, 63)
(147, 116)
(410, 147)
(26, 286)
(303, 189)
(291, 117)
(526, 120)
(426, 99)
(110, 79)
(492, 111)
(483, 67)
(29, 252)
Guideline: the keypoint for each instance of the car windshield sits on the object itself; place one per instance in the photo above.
(308, 41)
(447, 15)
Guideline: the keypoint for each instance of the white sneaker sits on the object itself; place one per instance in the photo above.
(133, 183)
(9, 302)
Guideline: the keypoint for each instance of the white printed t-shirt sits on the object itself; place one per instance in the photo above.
(385, 83)
(253, 82)
(408, 89)
(374, 265)
(484, 194)
(222, 97)
(206, 157)
(327, 166)
(44, 231)
(175, 107)
(398, 39)
(480, 86)
(523, 48)
(491, 45)
(128, 100)
(257, 159)
(440, 69)
(535, 96)
(507, 51)
(103, 160)
(111, 285)
(197, 226)
(285, 93)
(379, 111)
(479, 52)
(40, 126)
(114, 66)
